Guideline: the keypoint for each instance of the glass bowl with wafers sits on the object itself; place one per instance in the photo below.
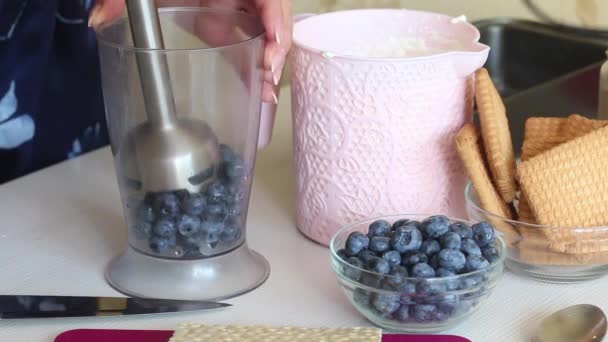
(549, 200)
(546, 253)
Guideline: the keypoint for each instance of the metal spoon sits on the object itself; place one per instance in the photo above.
(577, 323)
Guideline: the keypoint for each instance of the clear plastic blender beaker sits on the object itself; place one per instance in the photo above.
(186, 242)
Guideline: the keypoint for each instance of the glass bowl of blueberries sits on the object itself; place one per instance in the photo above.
(417, 273)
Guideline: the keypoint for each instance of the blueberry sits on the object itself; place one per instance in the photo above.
(462, 229)
(398, 273)
(386, 303)
(469, 282)
(407, 290)
(399, 223)
(371, 280)
(234, 193)
(216, 211)
(430, 247)
(434, 261)
(444, 272)
(379, 228)
(188, 225)
(226, 153)
(234, 169)
(379, 244)
(164, 228)
(355, 243)
(213, 238)
(234, 209)
(447, 303)
(232, 232)
(342, 254)
(415, 223)
(452, 259)
(439, 315)
(353, 269)
(142, 230)
(451, 284)
(398, 276)
(476, 262)
(166, 204)
(194, 242)
(161, 244)
(393, 257)
(406, 239)
(483, 234)
(450, 240)
(145, 213)
(490, 253)
(181, 194)
(422, 270)
(423, 312)
(215, 191)
(194, 204)
(361, 297)
(379, 265)
(430, 288)
(366, 255)
(413, 259)
(469, 247)
(435, 226)
(403, 313)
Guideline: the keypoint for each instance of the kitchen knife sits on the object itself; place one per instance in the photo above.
(12, 307)
(101, 335)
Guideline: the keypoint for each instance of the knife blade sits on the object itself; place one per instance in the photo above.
(22, 306)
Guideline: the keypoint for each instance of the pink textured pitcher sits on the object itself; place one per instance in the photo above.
(374, 135)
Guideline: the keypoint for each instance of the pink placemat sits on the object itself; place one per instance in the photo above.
(97, 335)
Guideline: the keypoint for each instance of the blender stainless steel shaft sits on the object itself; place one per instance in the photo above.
(166, 152)
(153, 68)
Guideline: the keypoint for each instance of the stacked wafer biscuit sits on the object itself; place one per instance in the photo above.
(562, 181)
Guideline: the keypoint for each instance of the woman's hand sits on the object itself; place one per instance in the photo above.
(275, 14)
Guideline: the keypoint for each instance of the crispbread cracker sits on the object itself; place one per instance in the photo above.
(578, 125)
(496, 135)
(225, 333)
(567, 186)
(542, 134)
(468, 145)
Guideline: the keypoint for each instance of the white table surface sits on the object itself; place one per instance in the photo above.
(59, 227)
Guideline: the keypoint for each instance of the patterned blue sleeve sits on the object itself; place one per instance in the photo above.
(51, 105)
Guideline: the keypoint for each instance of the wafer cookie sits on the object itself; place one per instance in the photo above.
(538, 254)
(542, 134)
(468, 145)
(496, 135)
(567, 186)
(524, 212)
(578, 125)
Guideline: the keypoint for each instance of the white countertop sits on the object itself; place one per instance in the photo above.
(59, 228)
